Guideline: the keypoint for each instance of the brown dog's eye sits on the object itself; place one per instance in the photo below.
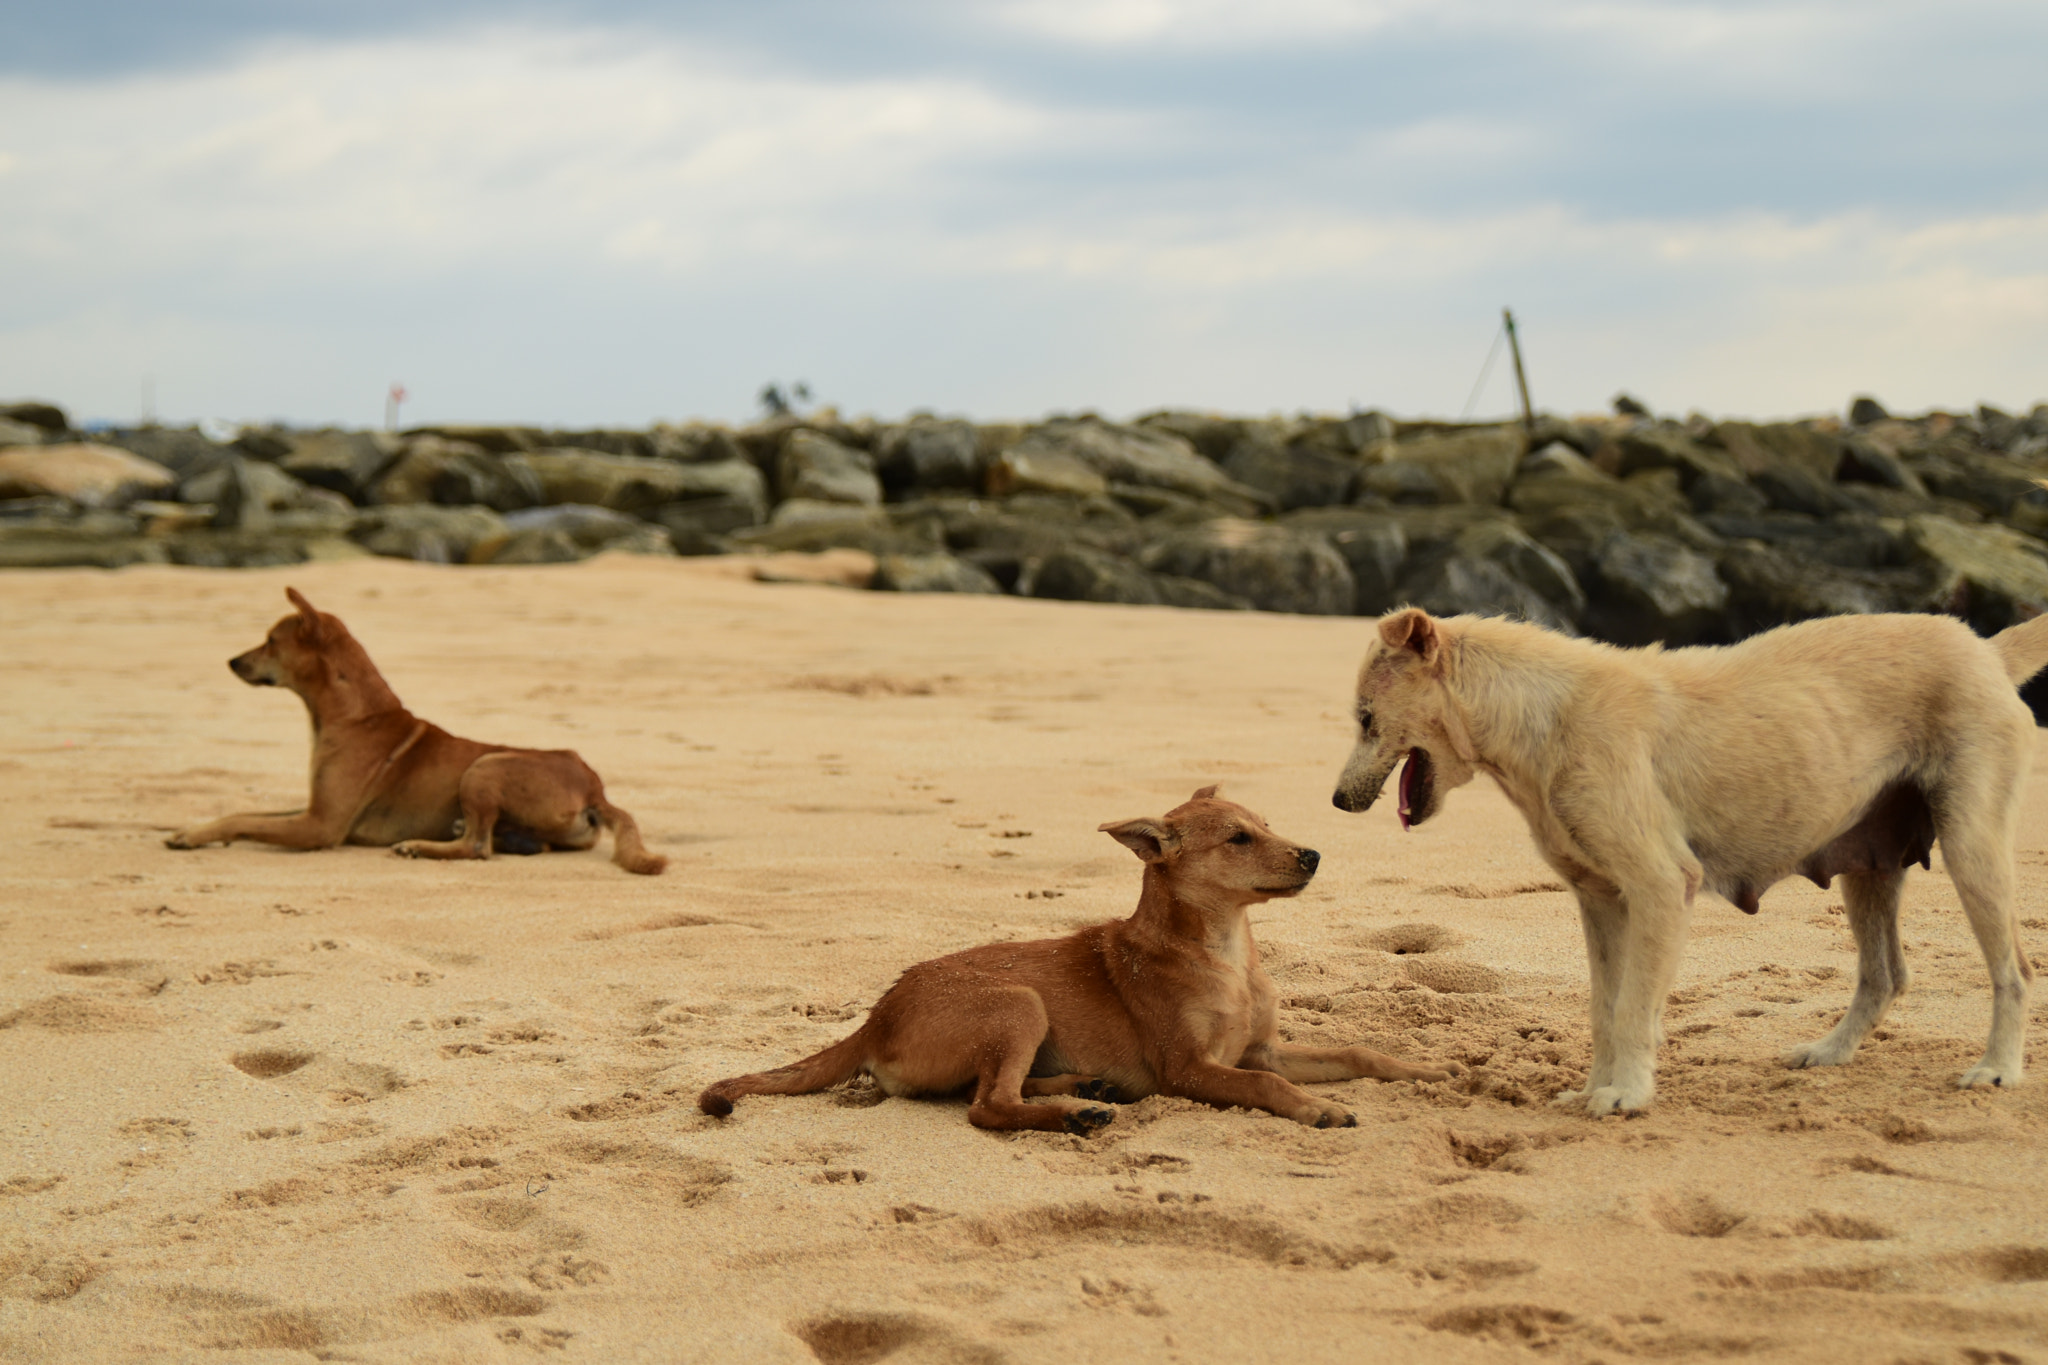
(1240, 838)
(1364, 720)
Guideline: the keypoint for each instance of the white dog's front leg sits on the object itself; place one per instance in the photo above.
(1651, 943)
(1602, 919)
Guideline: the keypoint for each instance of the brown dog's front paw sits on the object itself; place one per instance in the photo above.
(1082, 1122)
(180, 841)
(1339, 1119)
(1098, 1089)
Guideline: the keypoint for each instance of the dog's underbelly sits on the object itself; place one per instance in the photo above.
(382, 825)
(1893, 832)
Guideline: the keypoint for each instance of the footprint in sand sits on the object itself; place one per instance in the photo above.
(1405, 939)
(340, 1081)
(856, 1338)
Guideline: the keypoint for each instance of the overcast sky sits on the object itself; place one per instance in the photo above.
(618, 212)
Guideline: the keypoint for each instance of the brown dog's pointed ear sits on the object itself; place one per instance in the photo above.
(307, 614)
(1205, 793)
(1149, 839)
(1412, 629)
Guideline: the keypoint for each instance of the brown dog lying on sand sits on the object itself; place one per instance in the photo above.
(383, 776)
(1170, 1001)
(1839, 747)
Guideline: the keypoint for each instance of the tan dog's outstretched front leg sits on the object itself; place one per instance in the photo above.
(1227, 1086)
(294, 829)
(1300, 1064)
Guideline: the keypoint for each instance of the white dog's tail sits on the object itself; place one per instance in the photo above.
(2023, 649)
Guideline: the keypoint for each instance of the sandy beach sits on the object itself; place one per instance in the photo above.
(271, 1106)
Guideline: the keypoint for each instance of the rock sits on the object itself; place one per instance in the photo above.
(46, 416)
(556, 535)
(1081, 575)
(1666, 445)
(1290, 476)
(1863, 410)
(1851, 541)
(717, 498)
(1796, 488)
(491, 439)
(1024, 470)
(1471, 466)
(1528, 562)
(439, 469)
(257, 549)
(1211, 434)
(182, 450)
(807, 525)
(1721, 494)
(930, 573)
(1272, 567)
(344, 462)
(1572, 517)
(1992, 484)
(1768, 587)
(1460, 584)
(268, 444)
(628, 483)
(1757, 447)
(1625, 406)
(817, 468)
(88, 474)
(13, 433)
(1561, 460)
(638, 445)
(53, 548)
(694, 443)
(1374, 551)
(1192, 594)
(430, 533)
(929, 454)
(248, 495)
(2000, 575)
(1643, 587)
(1135, 455)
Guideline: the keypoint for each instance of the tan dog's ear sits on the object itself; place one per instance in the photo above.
(307, 614)
(1412, 629)
(1149, 839)
(1205, 793)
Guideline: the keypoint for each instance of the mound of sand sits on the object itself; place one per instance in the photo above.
(276, 1106)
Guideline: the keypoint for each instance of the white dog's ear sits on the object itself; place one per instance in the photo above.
(1412, 629)
(307, 614)
(1149, 839)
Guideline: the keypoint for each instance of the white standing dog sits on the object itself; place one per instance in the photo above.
(1840, 747)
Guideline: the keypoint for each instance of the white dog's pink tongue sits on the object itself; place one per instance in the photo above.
(1407, 786)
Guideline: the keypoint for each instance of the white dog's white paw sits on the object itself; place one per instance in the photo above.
(1820, 1052)
(1985, 1076)
(1616, 1099)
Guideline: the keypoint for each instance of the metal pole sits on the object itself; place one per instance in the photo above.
(1521, 379)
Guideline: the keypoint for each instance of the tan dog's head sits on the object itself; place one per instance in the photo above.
(1216, 850)
(1404, 711)
(300, 652)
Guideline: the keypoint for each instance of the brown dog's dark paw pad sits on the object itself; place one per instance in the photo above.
(1082, 1122)
(1100, 1090)
(1332, 1121)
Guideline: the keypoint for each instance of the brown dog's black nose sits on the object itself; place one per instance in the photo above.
(1308, 858)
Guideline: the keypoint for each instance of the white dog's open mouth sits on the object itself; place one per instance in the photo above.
(1415, 784)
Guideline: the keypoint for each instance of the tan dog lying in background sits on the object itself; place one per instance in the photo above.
(383, 776)
(1839, 747)
(1170, 1001)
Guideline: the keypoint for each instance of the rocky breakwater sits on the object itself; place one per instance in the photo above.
(1627, 527)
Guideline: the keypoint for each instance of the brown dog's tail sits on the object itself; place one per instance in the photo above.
(627, 850)
(2023, 649)
(818, 1071)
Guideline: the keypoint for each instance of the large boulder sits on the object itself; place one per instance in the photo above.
(1136, 455)
(927, 454)
(629, 483)
(250, 495)
(1769, 587)
(431, 534)
(494, 439)
(930, 573)
(1643, 587)
(1759, 446)
(693, 443)
(1272, 567)
(1472, 466)
(45, 417)
(556, 535)
(439, 469)
(345, 462)
(1291, 475)
(1854, 540)
(2000, 575)
(13, 433)
(1455, 585)
(88, 474)
(817, 468)
(1042, 469)
(182, 450)
(1076, 574)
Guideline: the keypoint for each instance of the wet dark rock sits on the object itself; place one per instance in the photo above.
(1291, 475)
(1856, 541)
(1469, 466)
(1868, 462)
(931, 573)
(1374, 546)
(431, 534)
(1643, 587)
(1796, 488)
(1759, 446)
(1667, 445)
(1863, 410)
(929, 455)
(553, 535)
(182, 450)
(1272, 567)
(344, 462)
(1458, 584)
(1627, 406)
(1768, 587)
(1143, 456)
(45, 416)
(2001, 575)
(1082, 575)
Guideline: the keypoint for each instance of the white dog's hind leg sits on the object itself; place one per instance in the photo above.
(1981, 868)
(1872, 902)
(1602, 919)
